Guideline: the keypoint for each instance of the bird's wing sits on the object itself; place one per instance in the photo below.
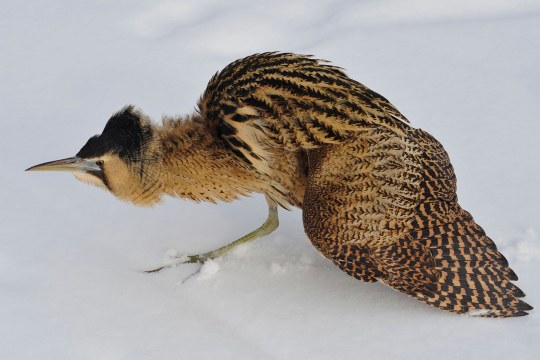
(380, 200)
(385, 208)
(361, 195)
(294, 101)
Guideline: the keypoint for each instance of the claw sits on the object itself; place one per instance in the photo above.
(155, 270)
(192, 259)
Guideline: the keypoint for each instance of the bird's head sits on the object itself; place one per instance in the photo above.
(120, 159)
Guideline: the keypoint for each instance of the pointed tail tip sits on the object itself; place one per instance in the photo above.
(512, 275)
(523, 306)
(518, 293)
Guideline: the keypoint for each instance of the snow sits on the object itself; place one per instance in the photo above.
(208, 270)
(479, 312)
(72, 256)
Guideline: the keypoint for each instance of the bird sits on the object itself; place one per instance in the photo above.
(378, 196)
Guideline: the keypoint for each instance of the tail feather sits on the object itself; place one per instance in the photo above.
(476, 267)
(480, 284)
(483, 253)
(446, 259)
(487, 306)
(474, 276)
(475, 281)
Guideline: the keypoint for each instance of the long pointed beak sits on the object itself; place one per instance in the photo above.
(72, 164)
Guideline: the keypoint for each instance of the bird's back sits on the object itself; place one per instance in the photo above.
(290, 101)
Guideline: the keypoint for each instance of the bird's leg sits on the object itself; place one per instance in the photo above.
(270, 224)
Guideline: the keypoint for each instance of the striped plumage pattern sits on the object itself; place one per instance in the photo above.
(380, 199)
(294, 101)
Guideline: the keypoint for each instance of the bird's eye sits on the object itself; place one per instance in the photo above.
(99, 163)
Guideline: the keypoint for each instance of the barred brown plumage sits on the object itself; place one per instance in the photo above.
(378, 196)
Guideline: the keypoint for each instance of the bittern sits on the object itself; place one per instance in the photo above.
(378, 196)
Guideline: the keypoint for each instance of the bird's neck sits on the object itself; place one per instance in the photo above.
(195, 164)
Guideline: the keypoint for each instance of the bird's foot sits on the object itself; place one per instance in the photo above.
(270, 224)
(181, 260)
(197, 259)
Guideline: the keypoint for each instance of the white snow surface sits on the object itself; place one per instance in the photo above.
(71, 255)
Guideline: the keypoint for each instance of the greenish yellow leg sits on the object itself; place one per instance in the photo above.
(270, 224)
